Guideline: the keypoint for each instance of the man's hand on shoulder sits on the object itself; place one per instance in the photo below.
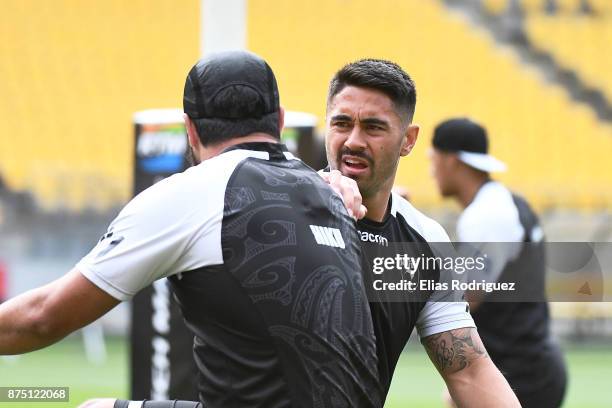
(346, 188)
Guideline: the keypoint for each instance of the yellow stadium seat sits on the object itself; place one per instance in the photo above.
(69, 93)
(579, 43)
(495, 6)
(567, 6)
(545, 137)
(532, 6)
(73, 74)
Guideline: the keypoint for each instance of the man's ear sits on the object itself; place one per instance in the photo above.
(454, 161)
(192, 133)
(411, 136)
(281, 119)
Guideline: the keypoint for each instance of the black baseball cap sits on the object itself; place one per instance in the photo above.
(239, 76)
(469, 140)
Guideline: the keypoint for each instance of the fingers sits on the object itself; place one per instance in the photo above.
(348, 190)
(357, 206)
(344, 189)
(362, 212)
(358, 209)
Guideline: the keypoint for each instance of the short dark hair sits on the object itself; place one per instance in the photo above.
(381, 75)
(232, 94)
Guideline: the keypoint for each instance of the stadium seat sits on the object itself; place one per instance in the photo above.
(578, 42)
(495, 7)
(68, 93)
(548, 140)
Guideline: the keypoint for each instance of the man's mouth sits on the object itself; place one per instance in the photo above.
(354, 164)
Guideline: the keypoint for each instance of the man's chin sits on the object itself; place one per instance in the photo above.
(363, 183)
(358, 178)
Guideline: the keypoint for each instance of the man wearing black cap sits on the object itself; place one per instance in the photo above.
(262, 256)
(370, 106)
(516, 334)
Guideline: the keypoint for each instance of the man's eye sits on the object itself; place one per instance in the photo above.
(342, 124)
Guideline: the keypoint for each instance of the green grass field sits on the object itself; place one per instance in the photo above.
(416, 382)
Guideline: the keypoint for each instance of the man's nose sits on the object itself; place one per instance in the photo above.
(355, 140)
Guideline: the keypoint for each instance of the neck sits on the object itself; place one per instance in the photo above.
(377, 205)
(469, 190)
(216, 149)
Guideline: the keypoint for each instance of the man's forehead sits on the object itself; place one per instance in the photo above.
(353, 100)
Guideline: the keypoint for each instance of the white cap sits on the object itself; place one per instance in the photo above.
(482, 161)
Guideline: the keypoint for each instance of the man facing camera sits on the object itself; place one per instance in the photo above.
(370, 107)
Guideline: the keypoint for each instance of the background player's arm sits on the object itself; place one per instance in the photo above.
(470, 375)
(45, 315)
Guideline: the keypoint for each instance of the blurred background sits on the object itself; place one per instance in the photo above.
(536, 73)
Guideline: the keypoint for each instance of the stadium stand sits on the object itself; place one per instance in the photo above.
(69, 93)
(73, 73)
(556, 148)
(578, 42)
(557, 7)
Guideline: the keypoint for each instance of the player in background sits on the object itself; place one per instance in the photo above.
(262, 256)
(516, 334)
(370, 107)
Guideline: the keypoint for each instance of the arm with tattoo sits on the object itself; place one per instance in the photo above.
(471, 377)
(454, 350)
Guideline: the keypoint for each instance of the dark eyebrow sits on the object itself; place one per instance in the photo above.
(375, 121)
(341, 117)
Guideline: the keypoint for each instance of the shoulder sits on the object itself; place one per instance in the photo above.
(492, 216)
(195, 188)
(429, 229)
(492, 201)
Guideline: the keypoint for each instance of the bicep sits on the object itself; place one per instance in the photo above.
(454, 350)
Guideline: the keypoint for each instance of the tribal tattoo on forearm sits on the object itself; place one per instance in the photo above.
(454, 350)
